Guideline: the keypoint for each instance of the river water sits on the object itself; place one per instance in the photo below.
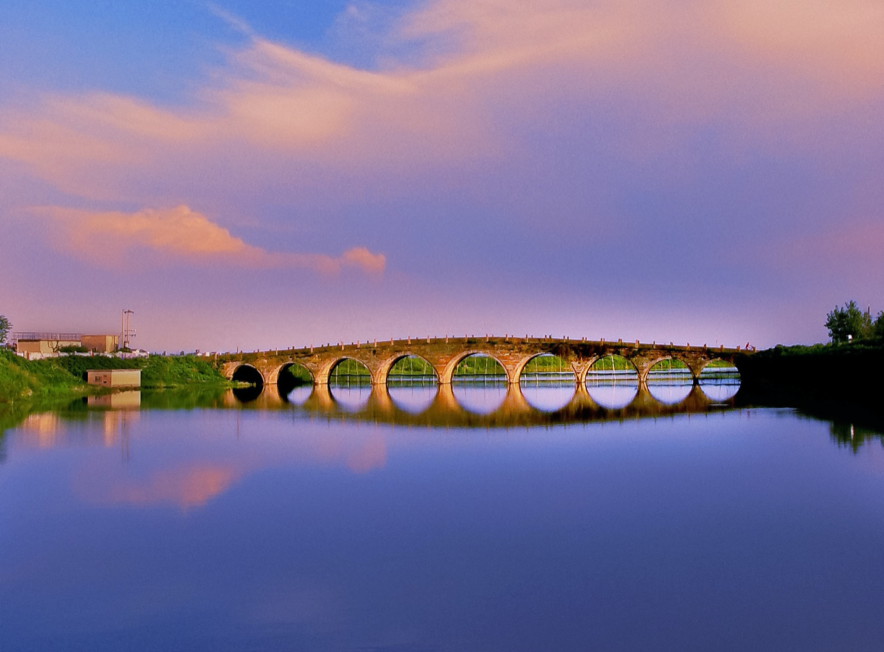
(470, 519)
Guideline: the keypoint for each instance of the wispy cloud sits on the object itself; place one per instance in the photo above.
(114, 239)
(687, 58)
(837, 44)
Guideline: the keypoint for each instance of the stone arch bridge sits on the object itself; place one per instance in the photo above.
(444, 354)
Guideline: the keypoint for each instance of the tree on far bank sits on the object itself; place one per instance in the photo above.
(4, 328)
(878, 326)
(849, 323)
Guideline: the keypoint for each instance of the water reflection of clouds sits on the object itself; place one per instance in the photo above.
(117, 459)
(185, 486)
(182, 476)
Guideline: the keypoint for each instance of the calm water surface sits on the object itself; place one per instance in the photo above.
(405, 521)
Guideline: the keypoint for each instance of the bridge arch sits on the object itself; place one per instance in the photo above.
(645, 363)
(419, 369)
(613, 364)
(552, 364)
(670, 379)
(349, 383)
(670, 364)
(612, 381)
(719, 379)
(246, 373)
(349, 370)
(324, 373)
(411, 382)
(452, 365)
(715, 362)
(291, 375)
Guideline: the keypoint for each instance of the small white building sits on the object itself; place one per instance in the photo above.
(114, 377)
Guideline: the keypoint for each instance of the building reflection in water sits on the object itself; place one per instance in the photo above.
(115, 412)
(43, 429)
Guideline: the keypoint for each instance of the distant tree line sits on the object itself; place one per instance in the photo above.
(850, 323)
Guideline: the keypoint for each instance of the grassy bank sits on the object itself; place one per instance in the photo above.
(157, 371)
(21, 379)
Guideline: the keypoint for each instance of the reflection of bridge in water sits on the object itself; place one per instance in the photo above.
(445, 411)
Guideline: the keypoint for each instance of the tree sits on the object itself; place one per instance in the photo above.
(848, 323)
(4, 328)
(878, 326)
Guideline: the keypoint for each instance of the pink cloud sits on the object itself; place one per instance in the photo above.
(837, 43)
(681, 61)
(111, 238)
(489, 71)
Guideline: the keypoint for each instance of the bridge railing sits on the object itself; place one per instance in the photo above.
(486, 339)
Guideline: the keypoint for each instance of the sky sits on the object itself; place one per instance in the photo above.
(254, 175)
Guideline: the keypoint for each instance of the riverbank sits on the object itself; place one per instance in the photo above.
(65, 376)
(823, 373)
(21, 379)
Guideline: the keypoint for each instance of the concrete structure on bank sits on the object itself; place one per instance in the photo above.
(38, 345)
(43, 345)
(114, 377)
(444, 354)
(100, 343)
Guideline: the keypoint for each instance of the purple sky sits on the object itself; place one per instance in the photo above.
(241, 177)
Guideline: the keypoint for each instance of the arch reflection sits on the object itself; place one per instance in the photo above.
(670, 381)
(247, 394)
(671, 392)
(481, 398)
(720, 381)
(298, 395)
(612, 382)
(549, 398)
(487, 406)
(351, 398)
(413, 399)
(613, 396)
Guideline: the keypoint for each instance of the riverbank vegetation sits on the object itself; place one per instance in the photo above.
(157, 371)
(793, 375)
(20, 378)
(854, 337)
(66, 375)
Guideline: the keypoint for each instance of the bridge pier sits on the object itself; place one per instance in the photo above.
(580, 369)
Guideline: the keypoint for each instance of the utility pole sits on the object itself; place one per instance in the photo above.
(125, 332)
